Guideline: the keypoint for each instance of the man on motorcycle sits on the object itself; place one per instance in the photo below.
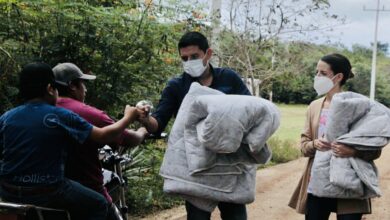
(34, 142)
(83, 164)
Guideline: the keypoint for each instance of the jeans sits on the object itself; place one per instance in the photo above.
(320, 208)
(229, 211)
(78, 200)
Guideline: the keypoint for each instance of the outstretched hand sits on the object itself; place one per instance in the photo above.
(131, 112)
(143, 113)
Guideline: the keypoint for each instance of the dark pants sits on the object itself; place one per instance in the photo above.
(80, 201)
(113, 212)
(229, 211)
(320, 208)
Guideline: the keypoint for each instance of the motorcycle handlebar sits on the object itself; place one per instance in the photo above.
(107, 152)
(163, 135)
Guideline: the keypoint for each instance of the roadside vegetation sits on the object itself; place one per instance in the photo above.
(285, 142)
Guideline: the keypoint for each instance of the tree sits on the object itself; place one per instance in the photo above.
(119, 41)
(8, 81)
(382, 47)
(256, 28)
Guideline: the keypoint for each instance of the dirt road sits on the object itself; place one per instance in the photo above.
(275, 186)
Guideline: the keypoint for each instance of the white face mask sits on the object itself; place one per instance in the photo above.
(323, 84)
(194, 68)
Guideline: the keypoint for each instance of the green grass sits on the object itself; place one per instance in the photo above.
(285, 142)
(292, 122)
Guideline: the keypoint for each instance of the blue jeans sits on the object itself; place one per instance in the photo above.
(78, 200)
(319, 208)
(229, 211)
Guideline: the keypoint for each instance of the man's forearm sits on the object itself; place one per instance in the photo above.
(133, 138)
(110, 133)
(150, 124)
(368, 155)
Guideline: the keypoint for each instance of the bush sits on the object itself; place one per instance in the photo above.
(145, 193)
(283, 150)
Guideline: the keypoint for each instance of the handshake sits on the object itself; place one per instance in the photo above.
(140, 112)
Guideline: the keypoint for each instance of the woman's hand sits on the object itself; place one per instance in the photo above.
(322, 145)
(342, 150)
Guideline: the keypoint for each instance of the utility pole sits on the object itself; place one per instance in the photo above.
(374, 50)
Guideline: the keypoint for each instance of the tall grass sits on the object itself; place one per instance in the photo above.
(285, 142)
(283, 150)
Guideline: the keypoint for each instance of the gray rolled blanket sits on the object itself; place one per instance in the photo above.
(228, 126)
(356, 121)
(203, 173)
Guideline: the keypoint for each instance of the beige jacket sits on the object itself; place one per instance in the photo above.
(299, 197)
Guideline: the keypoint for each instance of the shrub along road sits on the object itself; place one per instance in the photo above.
(275, 186)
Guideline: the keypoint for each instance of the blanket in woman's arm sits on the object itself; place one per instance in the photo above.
(360, 123)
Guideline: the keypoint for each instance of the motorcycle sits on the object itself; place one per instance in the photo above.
(114, 163)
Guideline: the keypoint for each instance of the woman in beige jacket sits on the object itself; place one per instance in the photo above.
(332, 72)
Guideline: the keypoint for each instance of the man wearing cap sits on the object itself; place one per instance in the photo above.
(83, 164)
(34, 142)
